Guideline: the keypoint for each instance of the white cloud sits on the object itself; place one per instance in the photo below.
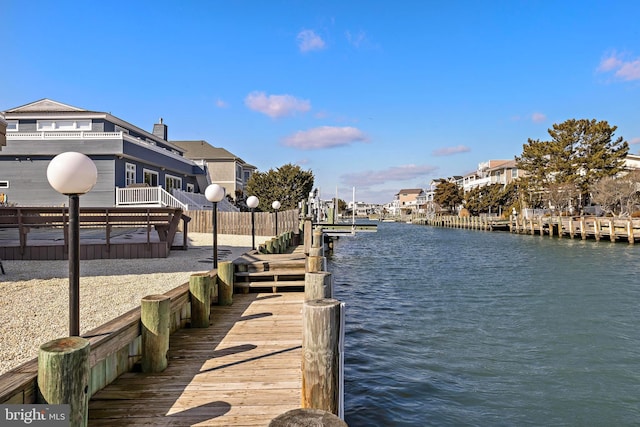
(221, 103)
(395, 173)
(538, 117)
(276, 105)
(623, 68)
(448, 151)
(325, 137)
(308, 40)
(634, 141)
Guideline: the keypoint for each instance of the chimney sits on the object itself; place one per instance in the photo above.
(160, 130)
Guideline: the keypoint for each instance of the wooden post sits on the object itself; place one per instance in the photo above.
(320, 355)
(571, 231)
(612, 230)
(308, 235)
(630, 237)
(155, 315)
(307, 417)
(200, 298)
(317, 238)
(318, 285)
(583, 228)
(63, 376)
(596, 229)
(314, 264)
(225, 283)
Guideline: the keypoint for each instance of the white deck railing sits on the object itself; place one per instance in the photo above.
(147, 196)
(64, 135)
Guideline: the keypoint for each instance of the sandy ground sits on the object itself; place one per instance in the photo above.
(34, 302)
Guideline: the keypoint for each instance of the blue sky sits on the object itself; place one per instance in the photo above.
(377, 95)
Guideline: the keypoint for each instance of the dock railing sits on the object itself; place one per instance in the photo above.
(115, 348)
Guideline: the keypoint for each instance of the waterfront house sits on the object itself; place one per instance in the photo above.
(491, 172)
(407, 200)
(125, 155)
(223, 167)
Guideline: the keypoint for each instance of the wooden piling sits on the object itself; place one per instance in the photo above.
(155, 314)
(612, 230)
(320, 355)
(200, 297)
(225, 283)
(307, 417)
(63, 376)
(308, 235)
(318, 285)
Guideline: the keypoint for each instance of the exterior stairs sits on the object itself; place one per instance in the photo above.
(256, 272)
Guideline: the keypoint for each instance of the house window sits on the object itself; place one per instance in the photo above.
(130, 174)
(191, 188)
(171, 182)
(4, 184)
(247, 175)
(150, 177)
(63, 125)
(12, 126)
(514, 173)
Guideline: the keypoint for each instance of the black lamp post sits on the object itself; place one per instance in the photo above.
(73, 174)
(276, 205)
(252, 202)
(215, 193)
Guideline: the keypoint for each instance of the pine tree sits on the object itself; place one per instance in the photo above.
(288, 184)
(579, 153)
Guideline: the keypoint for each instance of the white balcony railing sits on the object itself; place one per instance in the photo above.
(147, 196)
(64, 135)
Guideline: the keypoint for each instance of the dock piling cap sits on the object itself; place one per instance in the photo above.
(307, 417)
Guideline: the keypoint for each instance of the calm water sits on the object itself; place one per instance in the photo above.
(449, 327)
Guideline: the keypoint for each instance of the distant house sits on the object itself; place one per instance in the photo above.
(223, 167)
(407, 200)
(124, 154)
(491, 172)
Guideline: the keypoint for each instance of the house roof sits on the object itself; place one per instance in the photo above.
(57, 110)
(45, 105)
(410, 191)
(505, 164)
(202, 150)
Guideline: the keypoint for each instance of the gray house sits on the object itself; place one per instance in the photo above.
(125, 155)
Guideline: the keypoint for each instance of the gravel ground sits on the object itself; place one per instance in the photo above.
(34, 307)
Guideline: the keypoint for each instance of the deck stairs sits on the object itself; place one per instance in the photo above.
(253, 272)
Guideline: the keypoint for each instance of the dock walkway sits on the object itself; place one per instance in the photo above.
(243, 370)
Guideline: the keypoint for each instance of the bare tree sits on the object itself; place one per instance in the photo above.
(617, 196)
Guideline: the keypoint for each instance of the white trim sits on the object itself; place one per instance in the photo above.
(177, 180)
(127, 170)
(63, 125)
(150, 172)
(11, 123)
(190, 188)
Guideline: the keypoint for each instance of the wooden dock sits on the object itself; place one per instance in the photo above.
(243, 370)
(585, 227)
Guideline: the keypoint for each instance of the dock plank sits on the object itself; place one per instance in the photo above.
(245, 369)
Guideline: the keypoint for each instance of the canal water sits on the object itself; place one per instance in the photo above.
(451, 327)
